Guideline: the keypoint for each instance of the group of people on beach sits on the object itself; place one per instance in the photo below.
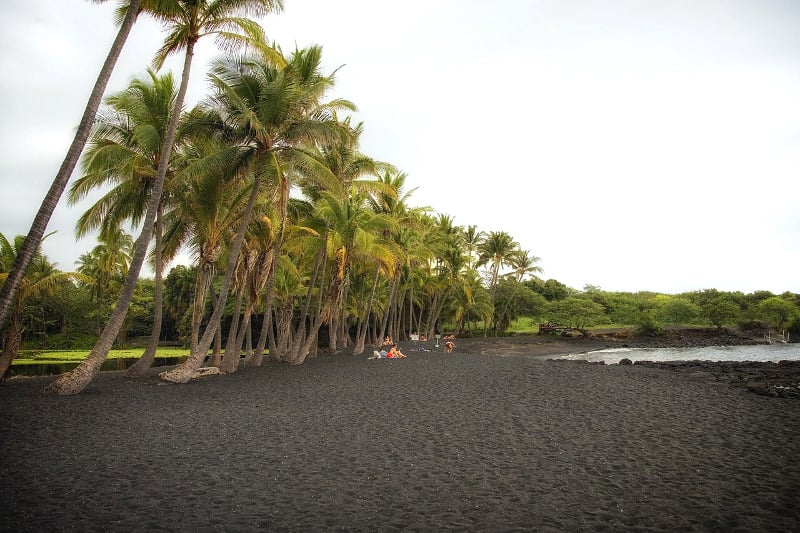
(390, 350)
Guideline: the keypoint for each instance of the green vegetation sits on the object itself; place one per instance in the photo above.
(61, 356)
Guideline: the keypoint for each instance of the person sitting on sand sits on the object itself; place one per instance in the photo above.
(387, 352)
(395, 353)
(387, 344)
(448, 346)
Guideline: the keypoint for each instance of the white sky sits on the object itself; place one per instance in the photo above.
(631, 145)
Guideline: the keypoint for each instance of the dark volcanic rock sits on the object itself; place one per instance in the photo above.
(780, 379)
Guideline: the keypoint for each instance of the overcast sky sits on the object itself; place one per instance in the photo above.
(631, 145)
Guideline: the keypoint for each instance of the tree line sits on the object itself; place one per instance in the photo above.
(297, 238)
(66, 310)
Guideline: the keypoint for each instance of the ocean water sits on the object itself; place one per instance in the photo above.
(766, 352)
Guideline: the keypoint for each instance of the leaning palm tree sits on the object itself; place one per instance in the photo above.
(202, 219)
(123, 153)
(353, 231)
(393, 201)
(126, 15)
(274, 112)
(354, 171)
(187, 21)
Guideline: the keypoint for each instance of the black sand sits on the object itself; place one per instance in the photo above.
(468, 442)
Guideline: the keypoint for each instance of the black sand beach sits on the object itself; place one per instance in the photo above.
(463, 441)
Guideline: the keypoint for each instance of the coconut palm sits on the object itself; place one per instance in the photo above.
(470, 301)
(106, 265)
(293, 117)
(524, 265)
(472, 240)
(124, 153)
(272, 112)
(352, 171)
(187, 21)
(438, 271)
(497, 250)
(202, 219)
(353, 231)
(126, 15)
(392, 201)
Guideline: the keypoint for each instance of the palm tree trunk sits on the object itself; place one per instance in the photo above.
(245, 330)
(361, 336)
(12, 339)
(202, 285)
(493, 292)
(248, 352)
(266, 326)
(320, 264)
(230, 361)
(395, 329)
(508, 304)
(258, 353)
(333, 301)
(140, 367)
(216, 354)
(75, 381)
(392, 296)
(301, 343)
(10, 288)
(185, 371)
(266, 323)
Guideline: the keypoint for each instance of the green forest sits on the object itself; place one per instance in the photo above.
(298, 240)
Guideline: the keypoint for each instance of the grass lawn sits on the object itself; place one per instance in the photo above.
(37, 357)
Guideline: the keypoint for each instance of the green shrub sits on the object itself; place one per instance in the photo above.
(62, 341)
(648, 324)
(753, 327)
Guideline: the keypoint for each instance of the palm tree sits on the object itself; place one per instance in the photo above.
(392, 201)
(123, 152)
(352, 232)
(441, 269)
(470, 300)
(203, 217)
(497, 250)
(40, 279)
(472, 241)
(188, 21)
(273, 111)
(353, 171)
(524, 264)
(106, 265)
(127, 14)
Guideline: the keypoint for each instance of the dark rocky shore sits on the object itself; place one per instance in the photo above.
(766, 378)
(469, 441)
